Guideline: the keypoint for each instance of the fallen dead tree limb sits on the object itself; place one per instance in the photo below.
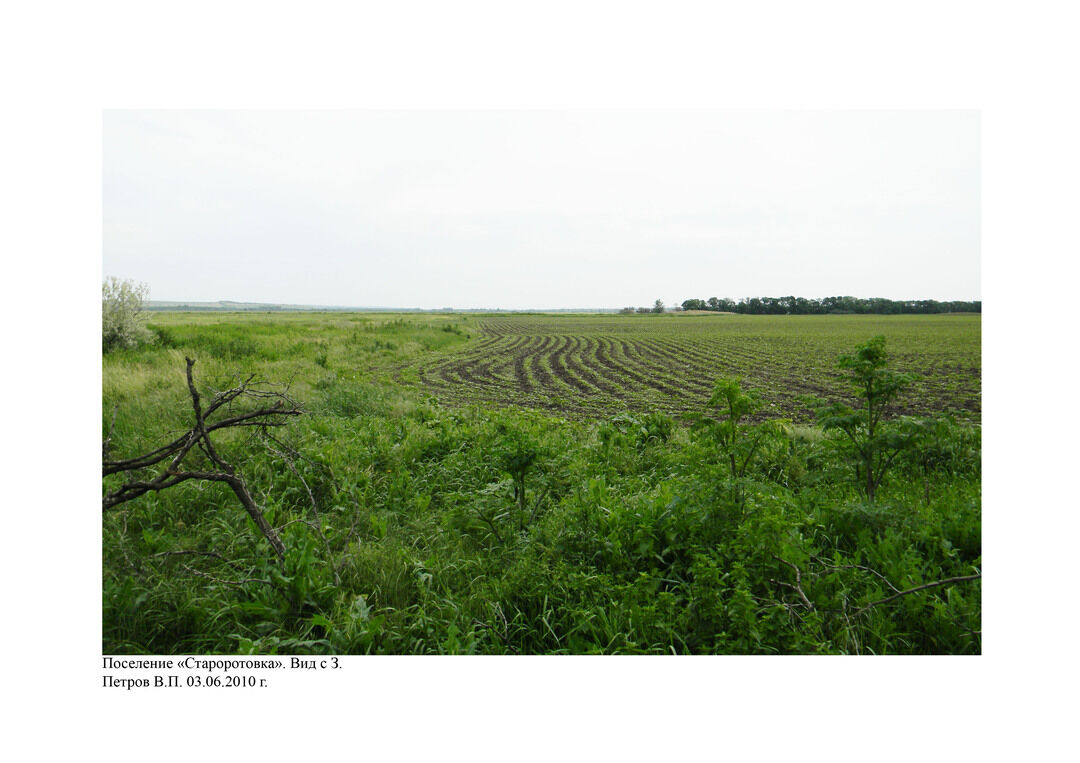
(272, 410)
(797, 586)
(923, 587)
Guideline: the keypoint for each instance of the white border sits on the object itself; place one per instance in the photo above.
(65, 62)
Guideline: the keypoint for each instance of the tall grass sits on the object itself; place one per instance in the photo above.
(626, 538)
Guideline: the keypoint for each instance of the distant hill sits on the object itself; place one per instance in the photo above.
(226, 305)
(231, 306)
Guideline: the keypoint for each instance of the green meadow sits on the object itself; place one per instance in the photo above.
(552, 484)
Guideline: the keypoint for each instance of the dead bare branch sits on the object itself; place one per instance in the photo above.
(797, 586)
(935, 584)
(198, 436)
(824, 563)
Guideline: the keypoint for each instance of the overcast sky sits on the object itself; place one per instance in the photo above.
(541, 209)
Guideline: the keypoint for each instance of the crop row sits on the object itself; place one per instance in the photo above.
(593, 366)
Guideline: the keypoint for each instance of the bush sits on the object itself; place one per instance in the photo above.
(642, 430)
(873, 441)
(122, 318)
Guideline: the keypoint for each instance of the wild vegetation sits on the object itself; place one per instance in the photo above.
(536, 484)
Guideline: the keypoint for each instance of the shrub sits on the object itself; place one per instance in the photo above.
(874, 442)
(643, 430)
(122, 318)
(736, 440)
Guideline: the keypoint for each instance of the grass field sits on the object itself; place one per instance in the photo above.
(521, 484)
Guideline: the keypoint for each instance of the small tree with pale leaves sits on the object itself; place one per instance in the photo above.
(122, 318)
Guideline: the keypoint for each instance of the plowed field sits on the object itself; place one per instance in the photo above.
(594, 365)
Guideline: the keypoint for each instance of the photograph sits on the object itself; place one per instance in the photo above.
(561, 381)
(549, 382)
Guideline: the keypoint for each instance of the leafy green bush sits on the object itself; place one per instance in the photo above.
(874, 442)
(641, 430)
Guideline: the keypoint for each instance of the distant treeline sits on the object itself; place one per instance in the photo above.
(829, 305)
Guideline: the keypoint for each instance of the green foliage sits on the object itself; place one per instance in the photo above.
(501, 530)
(517, 453)
(940, 447)
(874, 443)
(736, 439)
(641, 430)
